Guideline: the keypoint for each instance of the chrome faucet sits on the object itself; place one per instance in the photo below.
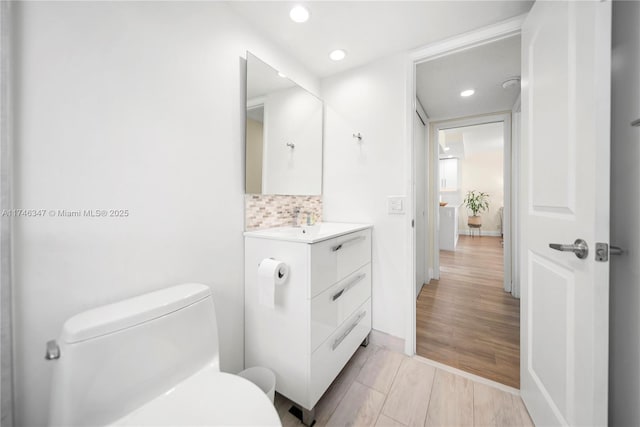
(295, 214)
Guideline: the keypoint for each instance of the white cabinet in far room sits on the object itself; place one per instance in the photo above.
(448, 227)
(449, 174)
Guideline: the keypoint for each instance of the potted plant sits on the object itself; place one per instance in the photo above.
(476, 202)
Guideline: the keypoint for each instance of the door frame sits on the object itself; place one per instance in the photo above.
(515, 198)
(492, 33)
(6, 224)
(508, 177)
(424, 119)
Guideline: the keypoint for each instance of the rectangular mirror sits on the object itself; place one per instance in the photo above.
(283, 142)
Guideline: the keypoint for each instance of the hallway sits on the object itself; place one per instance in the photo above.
(465, 319)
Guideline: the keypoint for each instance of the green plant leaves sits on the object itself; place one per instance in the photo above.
(476, 201)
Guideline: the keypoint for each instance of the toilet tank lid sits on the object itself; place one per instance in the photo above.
(130, 312)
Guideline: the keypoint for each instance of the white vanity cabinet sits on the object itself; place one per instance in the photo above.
(321, 314)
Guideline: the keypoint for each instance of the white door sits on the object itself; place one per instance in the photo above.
(566, 52)
(420, 162)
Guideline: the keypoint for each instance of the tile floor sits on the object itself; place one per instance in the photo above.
(381, 387)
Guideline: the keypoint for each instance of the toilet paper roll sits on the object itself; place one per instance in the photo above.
(271, 273)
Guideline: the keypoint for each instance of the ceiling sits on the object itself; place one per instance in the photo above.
(368, 30)
(466, 141)
(484, 68)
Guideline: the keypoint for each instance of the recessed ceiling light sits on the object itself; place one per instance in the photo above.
(467, 92)
(299, 14)
(338, 55)
(281, 74)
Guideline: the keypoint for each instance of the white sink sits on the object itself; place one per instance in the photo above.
(309, 233)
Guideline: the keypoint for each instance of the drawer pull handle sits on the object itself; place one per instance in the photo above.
(348, 286)
(346, 333)
(347, 243)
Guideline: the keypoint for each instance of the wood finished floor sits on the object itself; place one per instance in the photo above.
(465, 319)
(380, 387)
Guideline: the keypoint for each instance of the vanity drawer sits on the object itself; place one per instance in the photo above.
(323, 266)
(354, 251)
(334, 259)
(333, 306)
(329, 359)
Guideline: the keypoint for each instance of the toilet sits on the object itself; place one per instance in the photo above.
(152, 360)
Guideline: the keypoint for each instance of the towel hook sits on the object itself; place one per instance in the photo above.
(291, 145)
(358, 136)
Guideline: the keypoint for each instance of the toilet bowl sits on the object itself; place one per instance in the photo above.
(152, 360)
(207, 397)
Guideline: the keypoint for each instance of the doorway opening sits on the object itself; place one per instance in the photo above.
(467, 311)
(464, 317)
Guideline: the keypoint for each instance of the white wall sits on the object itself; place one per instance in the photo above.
(292, 116)
(483, 171)
(624, 345)
(360, 175)
(138, 106)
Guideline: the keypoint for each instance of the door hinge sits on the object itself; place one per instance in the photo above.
(413, 223)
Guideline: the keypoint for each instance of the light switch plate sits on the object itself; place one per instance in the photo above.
(396, 205)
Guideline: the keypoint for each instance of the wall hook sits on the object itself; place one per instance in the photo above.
(358, 136)
(291, 145)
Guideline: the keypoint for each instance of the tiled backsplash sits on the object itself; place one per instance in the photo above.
(266, 211)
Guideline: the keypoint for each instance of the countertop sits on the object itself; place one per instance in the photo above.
(308, 233)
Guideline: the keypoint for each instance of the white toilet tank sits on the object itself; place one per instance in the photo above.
(117, 357)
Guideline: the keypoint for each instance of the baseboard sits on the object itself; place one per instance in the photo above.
(490, 233)
(387, 341)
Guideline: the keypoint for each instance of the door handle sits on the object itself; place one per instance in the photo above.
(579, 247)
